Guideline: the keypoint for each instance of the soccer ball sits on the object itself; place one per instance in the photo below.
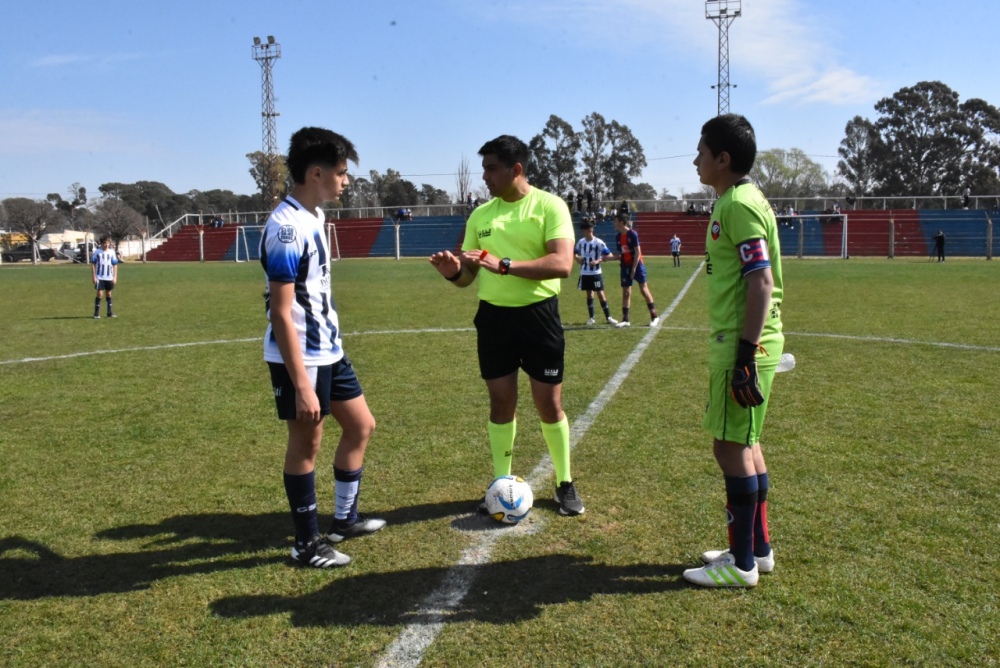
(509, 499)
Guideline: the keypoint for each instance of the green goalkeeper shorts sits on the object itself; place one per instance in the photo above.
(726, 419)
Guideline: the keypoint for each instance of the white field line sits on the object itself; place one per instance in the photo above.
(409, 646)
(869, 339)
(166, 346)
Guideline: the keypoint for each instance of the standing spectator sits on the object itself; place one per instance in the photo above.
(569, 201)
(590, 200)
(743, 270)
(310, 374)
(104, 272)
(591, 251)
(521, 242)
(675, 250)
(938, 246)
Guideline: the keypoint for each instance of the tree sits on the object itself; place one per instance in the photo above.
(788, 174)
(594, 144)
(539, 169)
(118, 220)
(151, 199)
(928, 143)
(860, 151)
(624, 162)
(266, 169)
(28, 217)
(462, 178)
(431, 195)
(612, 156)
(360, 194)
(565, 145)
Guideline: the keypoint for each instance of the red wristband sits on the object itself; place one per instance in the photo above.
(482, 256)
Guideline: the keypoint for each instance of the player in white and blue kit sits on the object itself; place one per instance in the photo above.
(104, 271)
(590, 252)
(310, 375)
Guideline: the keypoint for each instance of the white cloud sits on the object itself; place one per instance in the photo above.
(58, 60)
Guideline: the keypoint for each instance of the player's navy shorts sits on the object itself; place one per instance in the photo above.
(640, 274)
(333, 382)
(526, 337)
(590, 282)
(104, 285)
(675, 253)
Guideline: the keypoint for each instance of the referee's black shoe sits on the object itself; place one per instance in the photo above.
(568, 500)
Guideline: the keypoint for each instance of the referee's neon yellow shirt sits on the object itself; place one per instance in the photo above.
(518, 230)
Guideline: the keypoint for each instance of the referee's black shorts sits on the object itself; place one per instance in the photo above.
(527, 337)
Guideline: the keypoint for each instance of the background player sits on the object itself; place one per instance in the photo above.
(523, 239)
(310, 374)
(591, 251)
(633, 269)
(743, 268)
(104, 271)
(675, 249)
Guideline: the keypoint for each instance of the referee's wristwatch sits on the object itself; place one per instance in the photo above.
(504, 268)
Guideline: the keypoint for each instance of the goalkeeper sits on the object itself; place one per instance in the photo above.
(743, 264)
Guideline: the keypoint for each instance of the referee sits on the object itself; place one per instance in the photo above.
(523, 240)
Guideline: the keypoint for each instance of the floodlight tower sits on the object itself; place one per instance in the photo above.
(265, 53)
(723, 13)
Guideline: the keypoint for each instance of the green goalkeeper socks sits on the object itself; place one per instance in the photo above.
(502, 446)
(557, 438)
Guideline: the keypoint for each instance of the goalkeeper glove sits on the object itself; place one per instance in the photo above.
(744, 386)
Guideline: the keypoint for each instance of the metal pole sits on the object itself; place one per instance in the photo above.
(892, 238)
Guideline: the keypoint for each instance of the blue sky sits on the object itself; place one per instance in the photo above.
(169, 92)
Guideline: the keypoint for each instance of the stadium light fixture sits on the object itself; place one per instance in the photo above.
(270, 39)
(256, 41)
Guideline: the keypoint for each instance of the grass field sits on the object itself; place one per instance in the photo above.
(144, 522)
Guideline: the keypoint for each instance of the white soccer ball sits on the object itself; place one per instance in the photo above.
(509, 499)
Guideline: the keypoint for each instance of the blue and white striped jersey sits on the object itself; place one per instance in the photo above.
(591, 251)
(294, 249)
(104, 262)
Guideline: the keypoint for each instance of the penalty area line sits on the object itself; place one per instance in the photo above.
(409, 646)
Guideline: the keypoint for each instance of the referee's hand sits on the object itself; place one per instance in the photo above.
(744, 386)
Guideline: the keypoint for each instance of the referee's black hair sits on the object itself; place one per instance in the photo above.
(733, 134)
(317, 146)
(508, 149)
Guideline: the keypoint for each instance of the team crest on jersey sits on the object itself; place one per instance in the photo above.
(716, 230)
(286, 234)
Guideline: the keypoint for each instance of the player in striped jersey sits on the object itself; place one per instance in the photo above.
(743, 271)
(104, 270)
(591, 251)
(310, 374)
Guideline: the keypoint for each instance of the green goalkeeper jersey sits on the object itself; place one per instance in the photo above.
(742, 238)
(520, 231)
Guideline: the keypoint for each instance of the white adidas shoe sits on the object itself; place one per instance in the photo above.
(722, 573)
(764, 564)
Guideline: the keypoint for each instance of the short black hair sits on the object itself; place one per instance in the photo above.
(317, 146)
(733, 134)
(508, 149)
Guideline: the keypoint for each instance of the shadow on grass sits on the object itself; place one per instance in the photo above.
(182, 545)
(500, 593)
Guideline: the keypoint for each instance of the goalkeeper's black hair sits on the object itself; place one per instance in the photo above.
(733, 134)
(508, 149)
(317, 146)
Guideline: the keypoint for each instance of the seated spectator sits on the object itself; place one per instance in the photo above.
(691, 210)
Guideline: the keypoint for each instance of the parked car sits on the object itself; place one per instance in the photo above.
(23, 252)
